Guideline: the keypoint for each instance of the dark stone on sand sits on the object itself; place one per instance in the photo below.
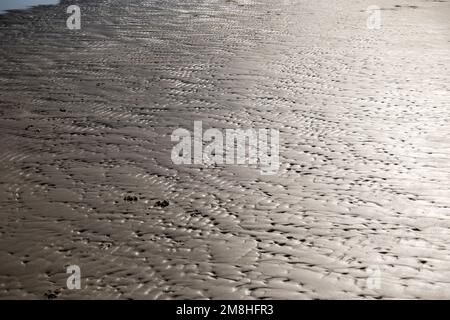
(52, 294)
(131, 198)
(162, 204)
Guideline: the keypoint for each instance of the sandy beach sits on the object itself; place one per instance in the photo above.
(86, 176)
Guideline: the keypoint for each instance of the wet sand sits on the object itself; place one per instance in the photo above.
(364, 182)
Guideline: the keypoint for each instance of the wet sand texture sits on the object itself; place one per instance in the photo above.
(86, 176)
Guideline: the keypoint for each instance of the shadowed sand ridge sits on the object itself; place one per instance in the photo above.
(86, 176)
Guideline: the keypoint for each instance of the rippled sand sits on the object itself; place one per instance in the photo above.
(364, 182)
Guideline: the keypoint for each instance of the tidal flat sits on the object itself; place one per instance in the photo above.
(359, 207)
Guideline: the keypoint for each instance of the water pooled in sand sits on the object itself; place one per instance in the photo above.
(6, 5)
(86, 119)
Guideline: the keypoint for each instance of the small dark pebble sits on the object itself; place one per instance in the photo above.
(162, 204)
(50, 295)
(131, 198)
